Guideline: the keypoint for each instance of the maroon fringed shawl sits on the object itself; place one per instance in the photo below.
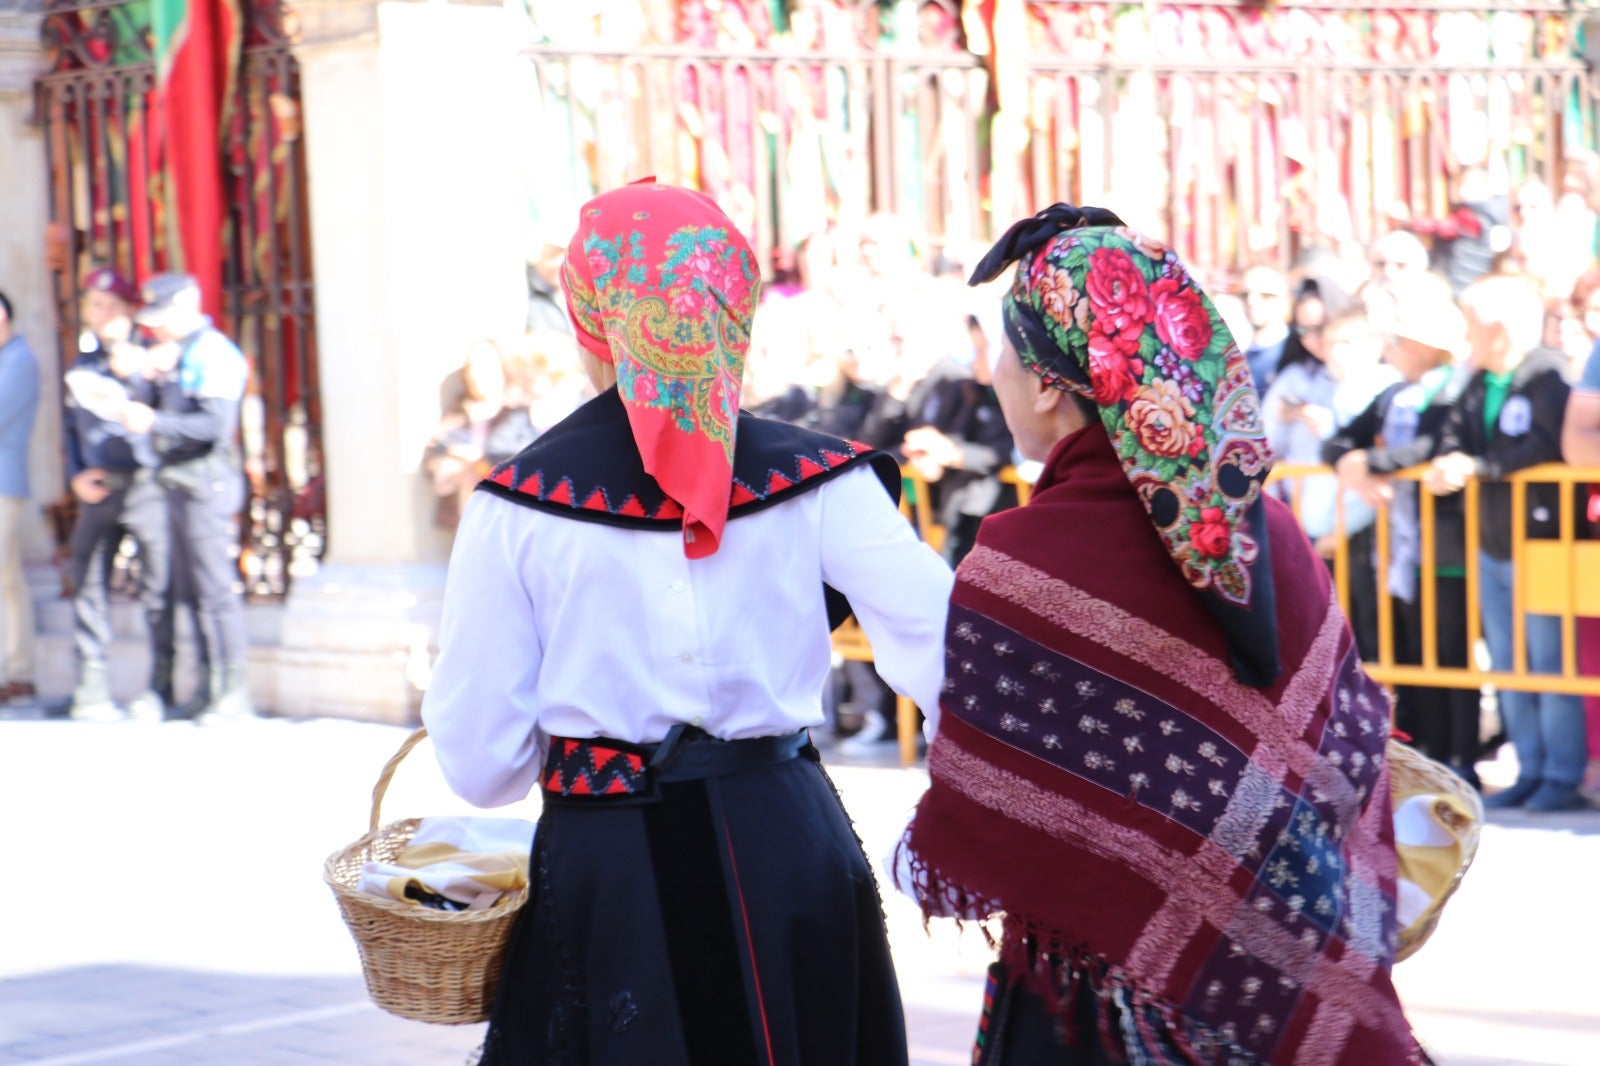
(1219, 855)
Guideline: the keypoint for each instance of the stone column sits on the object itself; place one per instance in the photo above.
(417, 223)
(24, 209)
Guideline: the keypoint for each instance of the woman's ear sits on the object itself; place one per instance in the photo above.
(1046, 398)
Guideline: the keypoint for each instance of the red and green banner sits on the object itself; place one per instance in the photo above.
(197, 51)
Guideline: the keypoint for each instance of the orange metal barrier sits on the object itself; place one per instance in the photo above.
(1557, 577)
(1553, 577)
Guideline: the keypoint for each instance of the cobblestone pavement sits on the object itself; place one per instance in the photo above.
(163, 905)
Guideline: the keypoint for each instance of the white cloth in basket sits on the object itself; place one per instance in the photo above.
(470, 861)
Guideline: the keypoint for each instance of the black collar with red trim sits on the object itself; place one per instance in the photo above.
(587, 467)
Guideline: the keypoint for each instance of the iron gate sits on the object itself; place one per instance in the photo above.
(108, 207)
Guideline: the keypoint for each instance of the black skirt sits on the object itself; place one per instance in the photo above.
(717, 921)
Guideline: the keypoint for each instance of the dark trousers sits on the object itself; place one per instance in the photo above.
(205, 574)
(138, 504)
(1363, 593)
(1442, 722)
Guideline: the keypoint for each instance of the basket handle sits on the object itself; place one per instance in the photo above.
(388, 772)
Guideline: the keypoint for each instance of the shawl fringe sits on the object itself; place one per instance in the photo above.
(1051, 965)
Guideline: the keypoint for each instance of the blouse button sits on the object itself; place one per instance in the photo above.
(676, 586)
(687, 656)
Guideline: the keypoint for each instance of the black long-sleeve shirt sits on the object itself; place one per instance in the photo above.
(1527, 433)
(94, 443)
(1366, 432)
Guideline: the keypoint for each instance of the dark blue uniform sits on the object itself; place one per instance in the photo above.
(137, 503)
(197, 419)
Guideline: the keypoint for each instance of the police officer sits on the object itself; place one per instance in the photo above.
(195, 383)
(112, 475)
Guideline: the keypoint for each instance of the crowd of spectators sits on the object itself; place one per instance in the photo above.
(1462, 344)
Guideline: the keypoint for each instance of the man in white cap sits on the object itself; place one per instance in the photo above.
(1426, 341)
(194, 384)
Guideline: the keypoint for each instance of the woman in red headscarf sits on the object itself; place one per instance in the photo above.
(636, 625)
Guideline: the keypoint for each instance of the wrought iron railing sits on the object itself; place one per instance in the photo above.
(1234, 144)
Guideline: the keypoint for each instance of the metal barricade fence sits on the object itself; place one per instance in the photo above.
(1559, 577)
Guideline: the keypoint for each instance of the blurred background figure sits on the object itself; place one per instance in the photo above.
(553, 380)
(1266, 305)
(1401, 428)
(546, 310)
(19, 403)
(1576, 323)
(488, 424)
(1508, 419)
(112, 476)
(959, 445)
(1330, 372)
(1397, 257)
(188, 399)
(1468, 240)
(1538, 247)
(1580, 445)
(795, 369)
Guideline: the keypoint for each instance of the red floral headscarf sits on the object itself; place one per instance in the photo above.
(1105, 312)
(661, 285)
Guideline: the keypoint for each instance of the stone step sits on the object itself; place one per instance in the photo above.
(351, 642)
(128, 656)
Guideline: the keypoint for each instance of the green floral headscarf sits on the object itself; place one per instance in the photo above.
(1102, 311)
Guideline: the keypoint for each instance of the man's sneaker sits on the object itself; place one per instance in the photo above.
(1555, 796)
(1590, 788)
(19, 694)
(147, 706)
(190, 709)
(199, 701)
(232, 701)
(103, 711)
(91, 699)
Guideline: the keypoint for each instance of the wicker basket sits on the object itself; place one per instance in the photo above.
(1410, 773)
(420, 963)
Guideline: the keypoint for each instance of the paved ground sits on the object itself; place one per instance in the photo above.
(163, 905)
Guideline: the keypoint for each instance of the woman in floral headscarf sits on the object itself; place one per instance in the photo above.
(1158, 762)
(636, 626)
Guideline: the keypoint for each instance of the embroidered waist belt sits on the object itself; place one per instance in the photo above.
(600, 768)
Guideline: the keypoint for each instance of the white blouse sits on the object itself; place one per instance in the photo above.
(553, 626)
